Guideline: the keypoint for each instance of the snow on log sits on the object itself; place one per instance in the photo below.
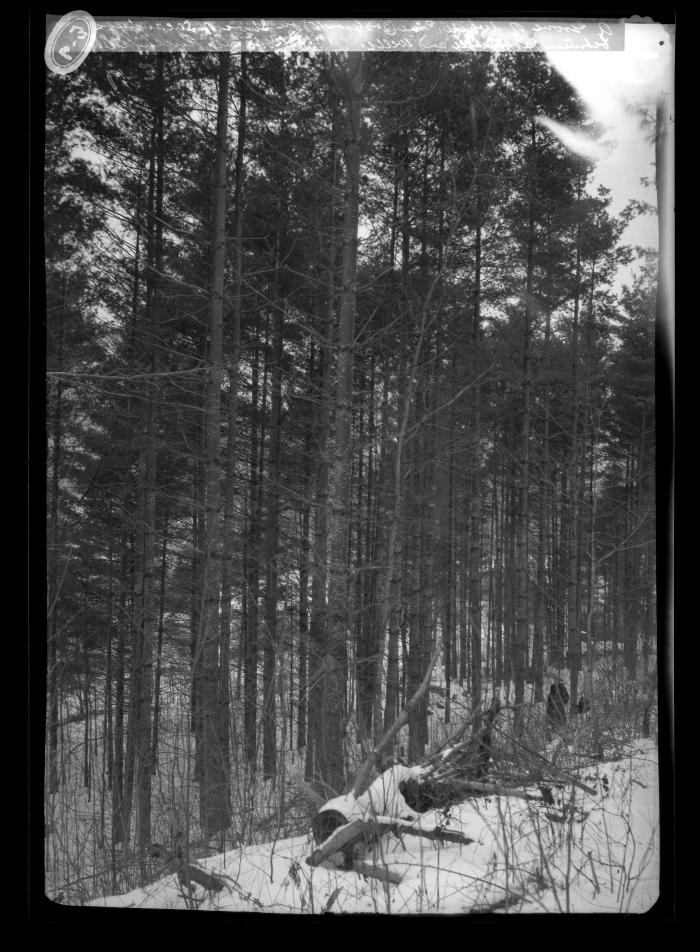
(382, 798)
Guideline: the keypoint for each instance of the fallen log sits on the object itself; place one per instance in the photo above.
(341, 840)
(437, 793)
(510, 899)
(186, 872)
(437, 833)
(383, 873)
(344, 838)
(495, 789)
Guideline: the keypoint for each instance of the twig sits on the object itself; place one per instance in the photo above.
(595, 877)
(306, 789)
(331, 899)
(562, 773)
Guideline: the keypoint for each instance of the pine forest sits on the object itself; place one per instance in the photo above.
(350, 445)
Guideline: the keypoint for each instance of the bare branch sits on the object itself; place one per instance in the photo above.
(365, 770)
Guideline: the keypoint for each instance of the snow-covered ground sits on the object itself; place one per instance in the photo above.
(588, 853)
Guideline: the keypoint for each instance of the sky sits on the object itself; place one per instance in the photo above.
(613, 85)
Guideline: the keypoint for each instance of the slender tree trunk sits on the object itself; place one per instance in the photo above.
(415, 633)
(214, 781)
(475, 528)
(509, 574)
(450, 597)
(230, 485)
(523, 513)
(150, 477)
(159, 647)
(108, 748)
(139, 750)
(271, 545)
(363, 634)
(540, 607)
(252, 571)
(198, 527)
(388, 587)
(302, 710)
(315, 751)
(53, 567)
(572, 508)
(498, 583)
(119, 831)
(336, 646)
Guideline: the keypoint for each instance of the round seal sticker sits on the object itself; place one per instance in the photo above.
(69, 42)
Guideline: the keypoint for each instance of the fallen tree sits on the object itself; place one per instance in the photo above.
(349, 826)
(346, 837)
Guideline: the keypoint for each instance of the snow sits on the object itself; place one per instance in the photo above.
(383, 798)
(604, 856)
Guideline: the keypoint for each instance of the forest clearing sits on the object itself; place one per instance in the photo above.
(351, 488)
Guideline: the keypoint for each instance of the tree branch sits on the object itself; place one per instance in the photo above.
(365, 770)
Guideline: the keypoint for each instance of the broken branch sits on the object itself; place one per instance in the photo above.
(345, 837)
(366, 768)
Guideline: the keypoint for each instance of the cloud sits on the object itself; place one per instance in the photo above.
(617, 88)
(611, 83)
(577, 141)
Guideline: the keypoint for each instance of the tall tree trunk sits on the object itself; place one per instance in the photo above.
(509, 573)
(56, 436)
(336, 645)
(415, 633)
(388, 586)
(523, 514)
(572, 481)
(475, 528)
(450, 595)
(364, 682)
(119, 830)
(214, 782)
(234, 347)
(304, 546)
(498, 582)
(314, 750)
(251, 573)
(159, 647)
(271, 545)
(540, 606)
(198, 527)
(139, 759)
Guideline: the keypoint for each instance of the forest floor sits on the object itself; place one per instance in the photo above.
(584, 853)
